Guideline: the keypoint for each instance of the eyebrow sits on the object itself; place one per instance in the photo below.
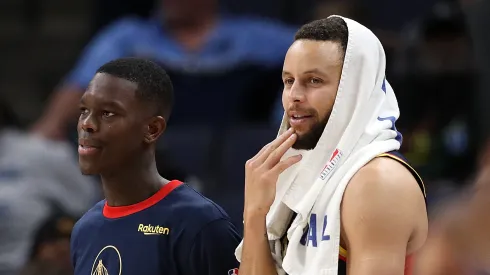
(111, 104)
(313, 71)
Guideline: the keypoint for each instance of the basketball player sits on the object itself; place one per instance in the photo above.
(383, 212)
(146, 224)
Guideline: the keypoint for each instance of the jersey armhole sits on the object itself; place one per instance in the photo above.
(412, 170)
(342, 251)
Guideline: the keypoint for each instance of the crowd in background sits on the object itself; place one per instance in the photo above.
(225, 60)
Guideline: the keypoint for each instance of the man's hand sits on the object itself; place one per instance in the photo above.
(262, 172)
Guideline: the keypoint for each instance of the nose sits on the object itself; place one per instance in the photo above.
(88, 123)
(297, 93)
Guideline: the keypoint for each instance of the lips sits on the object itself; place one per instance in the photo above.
(300, 116)
(299, 113)
(88, 147)
(88, 143)
(299, 121)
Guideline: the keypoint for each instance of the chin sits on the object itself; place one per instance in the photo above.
(301, 132)
(306, 141)
(88, 169)
(300, 145)
(88, 172)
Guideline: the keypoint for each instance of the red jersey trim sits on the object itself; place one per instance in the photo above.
(114, 212)
(342, 258)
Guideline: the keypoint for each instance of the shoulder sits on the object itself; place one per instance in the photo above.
(383, 197)
(84, 229)
(384, 178)
(201, 221)
(197, 209)
(88, 221)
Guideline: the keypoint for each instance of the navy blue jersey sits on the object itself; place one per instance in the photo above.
(176, 231)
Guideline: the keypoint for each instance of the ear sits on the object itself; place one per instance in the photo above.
(155, 128)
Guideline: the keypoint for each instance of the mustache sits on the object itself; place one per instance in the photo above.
(309, 111)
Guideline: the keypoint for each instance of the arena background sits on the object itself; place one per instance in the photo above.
(438, 64)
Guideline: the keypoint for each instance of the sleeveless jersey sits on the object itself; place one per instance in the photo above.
(343, 254)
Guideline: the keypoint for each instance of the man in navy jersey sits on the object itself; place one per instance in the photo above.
(147, 224)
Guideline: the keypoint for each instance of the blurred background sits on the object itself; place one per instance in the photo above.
(225, 60)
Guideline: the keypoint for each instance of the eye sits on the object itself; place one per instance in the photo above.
(288, 81)
(107, 114)
(83, 110)
(315, 80)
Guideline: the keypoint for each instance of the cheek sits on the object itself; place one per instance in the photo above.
(120, 136)
(284, 99)
(322, 101)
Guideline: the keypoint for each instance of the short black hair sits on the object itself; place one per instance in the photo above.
(332, 28)
(154, 84)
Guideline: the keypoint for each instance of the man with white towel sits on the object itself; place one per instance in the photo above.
(331, 195)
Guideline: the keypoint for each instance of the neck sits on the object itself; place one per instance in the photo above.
(133, 183)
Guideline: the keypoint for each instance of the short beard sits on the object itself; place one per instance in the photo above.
(309, 140)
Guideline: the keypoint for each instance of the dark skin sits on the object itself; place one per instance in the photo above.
(117, 134)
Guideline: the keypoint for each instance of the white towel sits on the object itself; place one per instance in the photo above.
(360, 127)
